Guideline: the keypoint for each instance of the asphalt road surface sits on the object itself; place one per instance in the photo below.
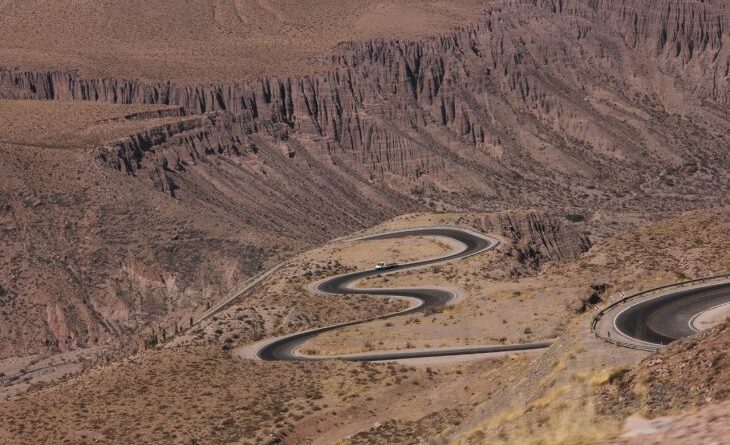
(430, 298)
(667, 318)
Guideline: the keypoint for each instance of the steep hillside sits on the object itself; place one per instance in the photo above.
(689, 381)
(90, 256)
(687, 375)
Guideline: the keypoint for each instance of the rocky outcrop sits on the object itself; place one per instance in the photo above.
(544, 94)
(173, 147)
(537, 238)
(684, 38)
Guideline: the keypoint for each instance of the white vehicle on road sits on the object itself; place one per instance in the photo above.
(383, 265)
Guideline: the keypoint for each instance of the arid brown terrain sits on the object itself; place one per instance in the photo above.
(198, 387)
(154, 156)
(208, 40)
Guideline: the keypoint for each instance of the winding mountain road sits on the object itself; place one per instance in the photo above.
(285, 348)
(669, 314)
(645, 321)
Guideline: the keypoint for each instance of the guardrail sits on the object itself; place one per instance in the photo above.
(636, 296)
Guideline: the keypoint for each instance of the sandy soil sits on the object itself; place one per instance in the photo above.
(365, 254)
(19, 374)
(206, 41)
(285, 303)
(73, 124)
(709, 425)
(172, 395)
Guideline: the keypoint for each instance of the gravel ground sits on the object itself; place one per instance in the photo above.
(708, 426)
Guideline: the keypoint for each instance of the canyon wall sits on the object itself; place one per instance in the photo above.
(534, 96)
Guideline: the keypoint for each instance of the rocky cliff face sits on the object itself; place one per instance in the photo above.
(531, 104)
(537, 238)
(684, 38)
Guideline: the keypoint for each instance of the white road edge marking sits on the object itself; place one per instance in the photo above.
(695, 316)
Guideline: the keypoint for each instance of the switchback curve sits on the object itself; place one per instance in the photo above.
(285, 348)
(658, 317)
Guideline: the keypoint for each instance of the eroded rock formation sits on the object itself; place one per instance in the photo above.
(533, 96)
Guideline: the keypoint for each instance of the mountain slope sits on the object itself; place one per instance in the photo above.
(607, 107)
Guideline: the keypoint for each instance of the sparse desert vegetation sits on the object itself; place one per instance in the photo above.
(158, 157)
(197, 387)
